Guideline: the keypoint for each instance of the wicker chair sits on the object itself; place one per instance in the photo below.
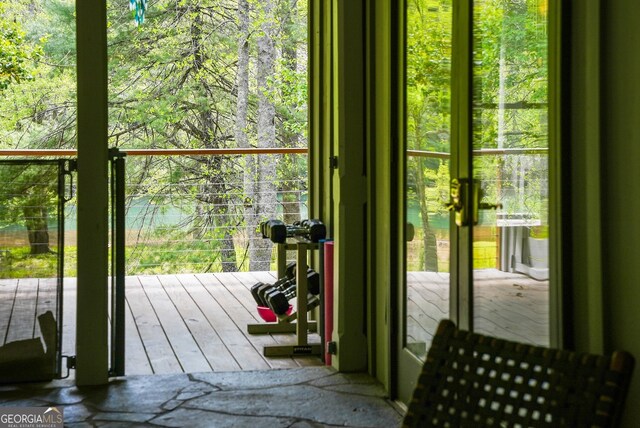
(471, 380)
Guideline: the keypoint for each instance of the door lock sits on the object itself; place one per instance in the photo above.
(459, 194)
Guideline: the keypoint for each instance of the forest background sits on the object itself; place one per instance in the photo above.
(198, 74)
(233, 74)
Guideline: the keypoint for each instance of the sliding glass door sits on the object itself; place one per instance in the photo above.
(475, 173)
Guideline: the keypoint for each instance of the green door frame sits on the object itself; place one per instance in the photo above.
(338, 167)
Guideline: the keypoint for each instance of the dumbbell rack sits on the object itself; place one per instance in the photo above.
(302, 324)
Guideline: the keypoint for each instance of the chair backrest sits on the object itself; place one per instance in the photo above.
(471, 380)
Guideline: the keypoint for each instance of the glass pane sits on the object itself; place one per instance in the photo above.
(510, 162)
(427, 177)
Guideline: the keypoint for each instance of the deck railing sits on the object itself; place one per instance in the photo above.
(199, 210)
(196, 210)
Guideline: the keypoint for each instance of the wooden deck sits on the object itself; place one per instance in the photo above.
(507, 305)
(174, 323)
(198, 322)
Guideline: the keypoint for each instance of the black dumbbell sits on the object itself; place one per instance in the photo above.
(316, 230)
(275, 230)
(291, 273)
(313, 230)
(258, 290)
(290, 270)
(313, 282)
(278, 300)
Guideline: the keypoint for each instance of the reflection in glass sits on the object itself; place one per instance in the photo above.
(510, 164)
(428, 115)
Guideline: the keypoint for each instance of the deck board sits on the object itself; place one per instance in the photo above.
(182, 342)
(8, 289)
(23, 315)
(136, 359)
(507, 305)
(208, 340)
(156, 344)
(217, 308)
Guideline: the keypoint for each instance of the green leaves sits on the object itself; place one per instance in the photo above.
(15, 52)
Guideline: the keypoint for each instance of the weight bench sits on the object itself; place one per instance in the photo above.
(472, 380)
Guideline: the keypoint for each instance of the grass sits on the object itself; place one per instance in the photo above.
(19, 263)
(153, 259)
(196, 257)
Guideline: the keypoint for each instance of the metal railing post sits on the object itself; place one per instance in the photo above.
(117, 262)
(66, 168)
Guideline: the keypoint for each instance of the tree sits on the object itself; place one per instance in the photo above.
(16, 54)
(190, 76)
(265, 173)
(277, 85)
(510, 95)
(30, 117)
(28, 198)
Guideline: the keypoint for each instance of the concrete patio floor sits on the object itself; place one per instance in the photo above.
(298, 397)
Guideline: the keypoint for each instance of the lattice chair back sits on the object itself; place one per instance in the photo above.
(471, 380)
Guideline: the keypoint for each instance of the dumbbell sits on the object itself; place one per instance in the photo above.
(259, 289)
(313, 229)
(316, 230)
(275, 230)
(290, 270)
(278, 300)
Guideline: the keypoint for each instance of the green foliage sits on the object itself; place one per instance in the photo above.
(19, 263)
(509, 99)
(23, 186)
(16, 53)
(172, 84)
(40, 112)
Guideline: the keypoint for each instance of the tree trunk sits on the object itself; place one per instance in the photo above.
(251, 218)
(290, 186)
(260, 254)
(216, 183)
(430, 244)
(36, 219)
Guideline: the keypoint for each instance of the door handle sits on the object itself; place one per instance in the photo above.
(458, 193)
